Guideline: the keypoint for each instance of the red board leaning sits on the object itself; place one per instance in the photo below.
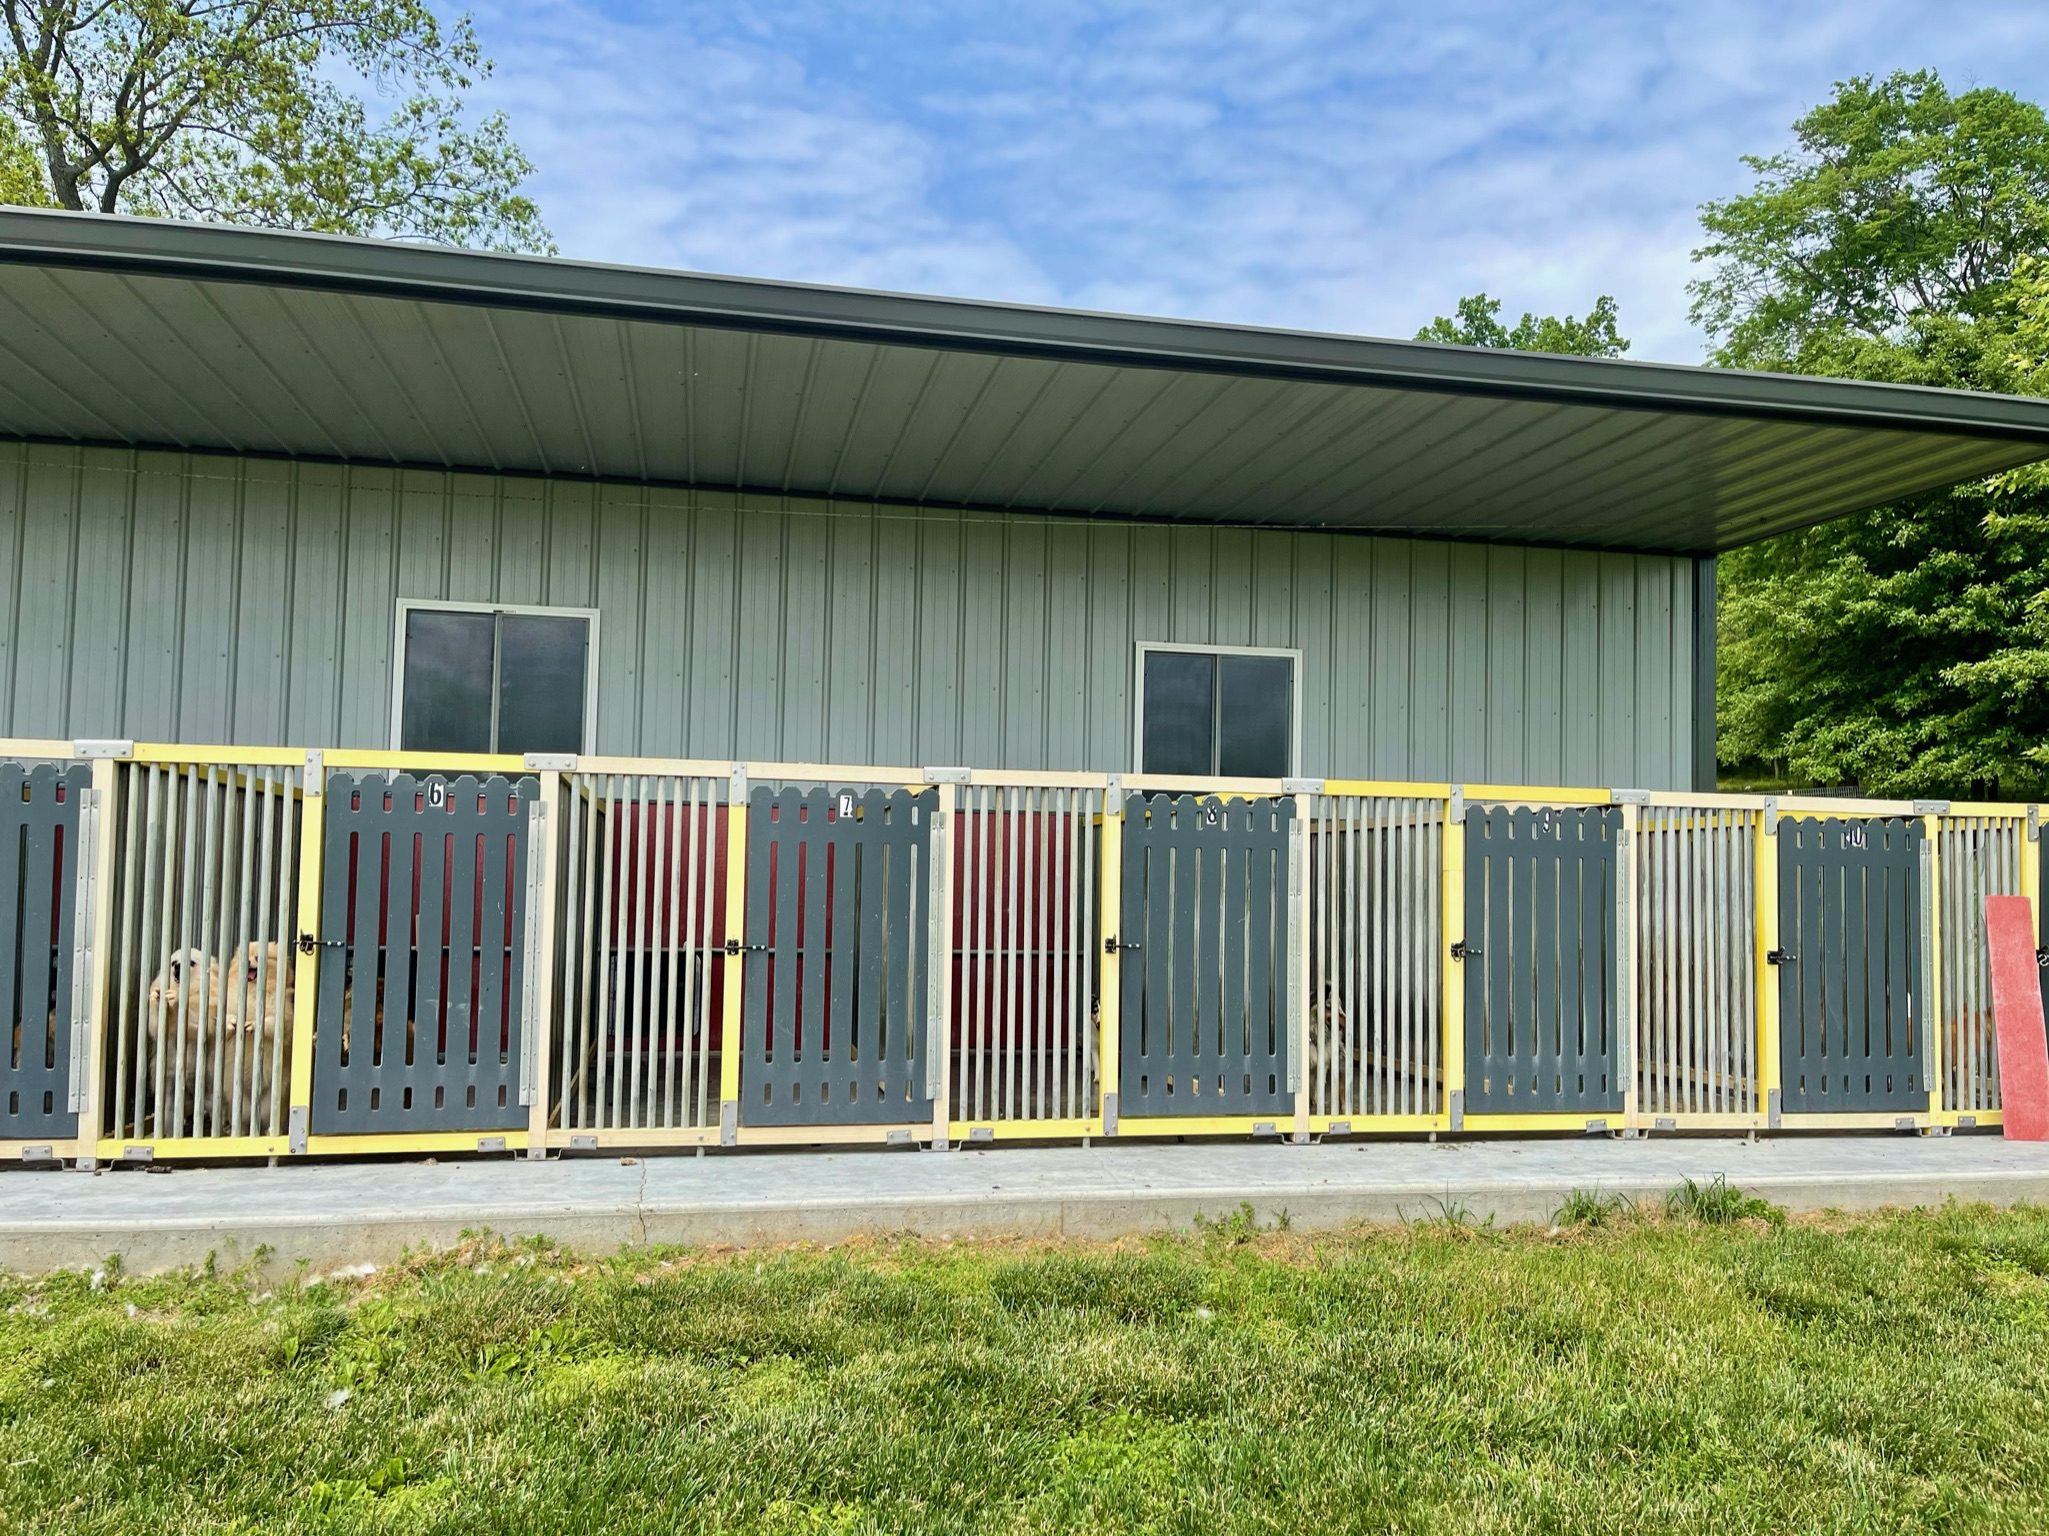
(2017, 1015)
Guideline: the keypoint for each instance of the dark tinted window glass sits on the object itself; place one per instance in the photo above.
(448, 682)
(1255, 716)
(540, 683)
(1180, 711)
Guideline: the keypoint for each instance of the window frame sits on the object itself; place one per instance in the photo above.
(1291, 654)
(408, 605)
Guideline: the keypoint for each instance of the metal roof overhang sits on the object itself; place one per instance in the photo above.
(153, 333)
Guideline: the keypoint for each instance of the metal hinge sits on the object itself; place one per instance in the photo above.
(1780, 957)
(1461, 950)
(1113, 945)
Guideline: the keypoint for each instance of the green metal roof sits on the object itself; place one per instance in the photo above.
(155, 333)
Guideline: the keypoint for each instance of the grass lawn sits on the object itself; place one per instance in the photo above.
(1624, 1373)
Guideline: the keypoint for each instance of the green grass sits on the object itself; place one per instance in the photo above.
(1653, 1372)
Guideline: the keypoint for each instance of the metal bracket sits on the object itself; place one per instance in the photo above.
(295, 1129)
(898, 1139)
(1664, 1123)
(729, 1123)
(138, 1154)
(1109, 1114)
(1774, 1116)
(583, 1143)
(530, 1004)
(982, 1133)
(1457, 1108)
(490, 1143)
(2034, 823)
(1458, 803)
(1905, 1123)
(42, 1152)
(1931, 807)
(1771, 815)
(1629, 797)
(1967, 1122)
(85, 890)
(738, 793)
(1264, 1128)
(1339, 1128)
(551, 762)
(316, 773)
(948, 775)
(1597, 1127)
(92, 746)
(1301, 786)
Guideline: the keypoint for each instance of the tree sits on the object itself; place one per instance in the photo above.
(1904, 650)
(254, 112)
(1478, 324)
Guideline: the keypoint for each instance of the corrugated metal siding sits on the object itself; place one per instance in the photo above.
(209, 599)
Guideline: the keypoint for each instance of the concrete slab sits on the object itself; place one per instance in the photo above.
(329, 1215)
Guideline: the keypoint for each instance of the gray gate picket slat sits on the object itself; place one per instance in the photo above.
(1551, 851)
(888, 1038)
(814, 866)
(485, 1062)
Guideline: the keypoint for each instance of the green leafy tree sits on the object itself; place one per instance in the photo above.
(1901, 650)
(255, 112)
(1478, 324)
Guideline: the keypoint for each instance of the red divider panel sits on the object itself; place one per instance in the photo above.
(2017, 1015)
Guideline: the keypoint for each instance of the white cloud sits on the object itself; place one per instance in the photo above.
(1323, 166)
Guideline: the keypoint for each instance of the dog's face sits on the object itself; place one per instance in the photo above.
(262, 968)
(190, 974)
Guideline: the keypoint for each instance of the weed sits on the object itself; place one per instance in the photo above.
(1589, 1208)
(1719, 1203)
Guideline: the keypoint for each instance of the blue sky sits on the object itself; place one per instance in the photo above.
(1337, 167)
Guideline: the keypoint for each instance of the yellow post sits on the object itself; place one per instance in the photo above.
(1453, 1107)
(1628, 916)
(1109, 962)
(1931, 830)
(735, 965)
(1767, 940)
(306, 969)
(542, 986)
(105, 784)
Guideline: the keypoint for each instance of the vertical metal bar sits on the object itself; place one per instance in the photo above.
(974, 1020)
(572, 1013)
(134, 928)
(607, 1036)
(1013, 904)
(277, 955)
(673, 958)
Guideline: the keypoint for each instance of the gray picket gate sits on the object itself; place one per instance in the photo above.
(39, 842)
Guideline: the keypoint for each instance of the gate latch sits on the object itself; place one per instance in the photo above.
(1461, 950)
(1779, 957)
(735, 947)
(1113, 945)
(307, 943)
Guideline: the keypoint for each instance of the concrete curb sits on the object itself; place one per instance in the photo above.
(603, 1209)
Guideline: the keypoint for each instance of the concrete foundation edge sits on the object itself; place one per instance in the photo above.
(311, 1246)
